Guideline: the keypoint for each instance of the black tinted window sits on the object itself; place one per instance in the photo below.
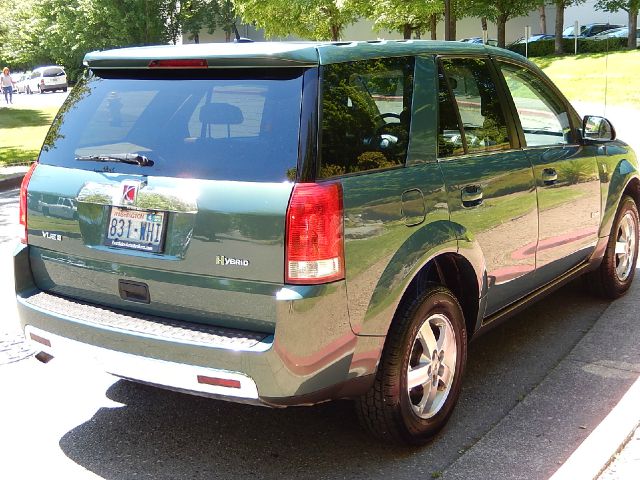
(449, 133)
(232, 126)
(476, 95)
(366, 115)
(53, 72)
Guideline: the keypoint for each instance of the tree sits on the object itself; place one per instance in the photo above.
(629, 6)
(500, 11)
(407, 16)
(560, 7)
(51, 31)
(314, 19)
(194, 16)
(543, 18)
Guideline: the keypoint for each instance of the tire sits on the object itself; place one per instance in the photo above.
(392, 411)
(615, 274)
(64, 89)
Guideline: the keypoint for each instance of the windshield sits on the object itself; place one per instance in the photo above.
(569, 31)
(211, 125)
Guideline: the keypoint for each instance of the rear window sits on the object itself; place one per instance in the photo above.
(53, 72)
(213, 125)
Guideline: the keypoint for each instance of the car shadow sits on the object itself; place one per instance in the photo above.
(165, 435)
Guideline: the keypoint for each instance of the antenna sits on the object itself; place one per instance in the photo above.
(606, 77)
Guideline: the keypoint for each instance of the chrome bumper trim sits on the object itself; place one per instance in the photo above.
(171, 375)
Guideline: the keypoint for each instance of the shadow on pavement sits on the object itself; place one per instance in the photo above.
(166, 435)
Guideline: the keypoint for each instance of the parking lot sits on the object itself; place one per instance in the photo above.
(37, 100)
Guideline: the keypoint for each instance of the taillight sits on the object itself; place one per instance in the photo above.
(179, 63)
(23, 202)
(314, 250)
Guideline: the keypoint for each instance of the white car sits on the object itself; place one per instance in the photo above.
(45, 79)
(63, 208)
(618, 33)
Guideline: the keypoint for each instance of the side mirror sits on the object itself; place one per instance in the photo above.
(598, 129)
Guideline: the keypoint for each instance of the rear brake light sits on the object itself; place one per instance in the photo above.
(314, 249)
(23, 202)
(179, 63)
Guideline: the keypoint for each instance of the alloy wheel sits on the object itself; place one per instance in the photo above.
(626, 245)
(431, 365)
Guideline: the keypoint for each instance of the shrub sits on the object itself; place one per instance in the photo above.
(542, 48)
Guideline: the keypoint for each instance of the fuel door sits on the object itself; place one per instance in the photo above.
(413, 209)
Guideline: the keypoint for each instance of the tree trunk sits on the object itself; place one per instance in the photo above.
(406, 31)
(447, 19)
(559, 49)
(453, 20)
(483, 24)
(335, 32)
(433, 25)
(502, 30)
(543, 19)
(633, 25)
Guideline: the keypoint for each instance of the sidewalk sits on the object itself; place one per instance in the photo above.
(575, 421)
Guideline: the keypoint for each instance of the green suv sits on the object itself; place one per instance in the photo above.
(290, 223)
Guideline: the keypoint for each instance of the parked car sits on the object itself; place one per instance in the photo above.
(589, 30)
(47, 79)
(290, 223)
(491, 41)
(62, 208)
(534, 38)
(617, 33)
(18, 77)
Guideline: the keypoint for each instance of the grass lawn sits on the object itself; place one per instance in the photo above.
(22, 132)
(582, 78)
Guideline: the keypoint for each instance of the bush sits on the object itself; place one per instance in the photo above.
(543, 48)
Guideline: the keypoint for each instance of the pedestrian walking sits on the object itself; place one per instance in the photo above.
(6, 82)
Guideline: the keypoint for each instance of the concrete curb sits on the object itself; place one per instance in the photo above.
(11, 181)
(597, 451)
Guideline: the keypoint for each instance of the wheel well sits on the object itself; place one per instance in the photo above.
(633, 190)
(454, 272)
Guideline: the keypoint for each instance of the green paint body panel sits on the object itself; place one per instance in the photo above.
(317, 338)
(232, 219)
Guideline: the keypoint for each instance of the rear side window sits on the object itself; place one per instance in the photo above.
(476, 96)
(366, 115)
(231, 125)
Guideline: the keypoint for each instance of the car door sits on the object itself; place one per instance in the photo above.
(566, 172)
(490, 185)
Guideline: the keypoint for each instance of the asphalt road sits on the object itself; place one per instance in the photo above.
(47, 99)
(81, 423)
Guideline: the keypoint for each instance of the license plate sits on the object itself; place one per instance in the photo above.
(135, 229)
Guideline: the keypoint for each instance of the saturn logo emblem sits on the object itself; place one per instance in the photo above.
(129, 193)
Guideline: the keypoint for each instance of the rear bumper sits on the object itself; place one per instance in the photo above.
(57, 86)
(313, 356)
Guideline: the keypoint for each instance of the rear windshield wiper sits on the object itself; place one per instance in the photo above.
(130, 158)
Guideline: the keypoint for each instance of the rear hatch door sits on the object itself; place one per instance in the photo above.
(165, 192)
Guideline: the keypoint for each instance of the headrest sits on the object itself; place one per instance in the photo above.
(221, 114)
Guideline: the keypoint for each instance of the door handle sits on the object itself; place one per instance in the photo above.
(472, 196)
(549, 176)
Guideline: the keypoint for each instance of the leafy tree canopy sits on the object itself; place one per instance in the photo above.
(315, 19)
